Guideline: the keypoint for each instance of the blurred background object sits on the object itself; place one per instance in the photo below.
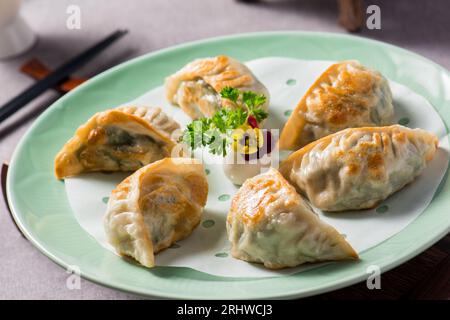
(57, 77)
(15, 34)
(351, 14)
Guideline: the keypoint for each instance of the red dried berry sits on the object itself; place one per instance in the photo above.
(251, 120)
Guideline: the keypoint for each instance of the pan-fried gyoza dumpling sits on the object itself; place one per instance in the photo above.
(358, 168)
(122, 139)
(156, 206)
(346, 95)
(196, 87)
(270, 223)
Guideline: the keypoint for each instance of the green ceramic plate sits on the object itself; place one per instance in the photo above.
(39, 202)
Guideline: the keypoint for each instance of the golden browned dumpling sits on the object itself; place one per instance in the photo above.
(346, 95)
(270, 223)
(196, 87)
(122, 139)
(358, 168)
(156, 206)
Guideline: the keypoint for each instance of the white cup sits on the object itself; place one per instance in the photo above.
(15, 35)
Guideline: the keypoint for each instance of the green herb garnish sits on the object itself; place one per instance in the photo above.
(215, 132)
(230, 93)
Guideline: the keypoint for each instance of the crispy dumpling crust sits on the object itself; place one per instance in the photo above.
(122, 139)
(270, 223)
(165, 125)
(346, 95)
(196, 87)
(360, 167)
(156, 206)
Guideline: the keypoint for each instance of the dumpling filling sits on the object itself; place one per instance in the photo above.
(109, 149)
(197, 99)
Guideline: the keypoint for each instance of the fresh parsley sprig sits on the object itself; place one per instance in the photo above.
(230, 93)
(215, 132)
(250, 100)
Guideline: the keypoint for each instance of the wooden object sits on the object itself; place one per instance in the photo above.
(351, 14)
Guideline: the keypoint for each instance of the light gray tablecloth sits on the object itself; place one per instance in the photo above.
(419, 25)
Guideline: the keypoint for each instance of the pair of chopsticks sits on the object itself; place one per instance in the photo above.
(57, 76)
(38, 71)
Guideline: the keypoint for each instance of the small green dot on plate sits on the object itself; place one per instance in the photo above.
(174, 246)
(224, 197)
(221, 255)
(343, 235)
(382, 209)
(105, 199)
(208, 223)
(291, 82)
(403, 121)
(207, 171)
(287, 113)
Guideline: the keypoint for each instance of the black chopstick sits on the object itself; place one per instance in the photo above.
(57, 76)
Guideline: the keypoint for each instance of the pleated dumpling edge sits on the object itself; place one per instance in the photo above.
(121, 139)
(270, 223)
(358, 168)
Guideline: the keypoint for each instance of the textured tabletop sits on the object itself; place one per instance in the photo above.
(420, 26)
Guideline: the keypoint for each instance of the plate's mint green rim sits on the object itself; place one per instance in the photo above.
(41, 210)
